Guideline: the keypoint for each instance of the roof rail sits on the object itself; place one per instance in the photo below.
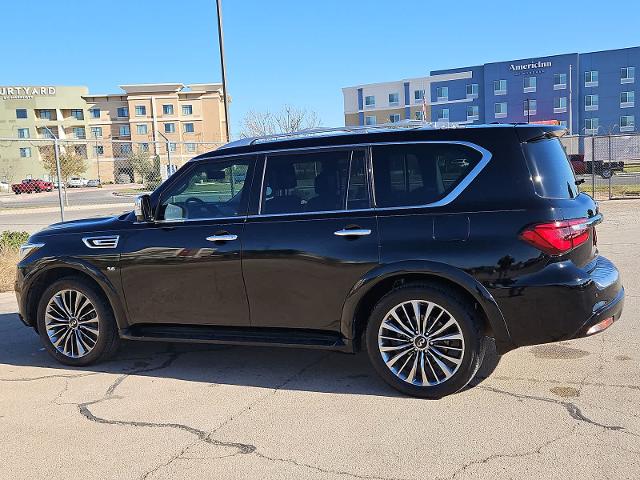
(321, 131)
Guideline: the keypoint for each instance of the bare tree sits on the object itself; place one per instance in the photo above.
(288, 119)
(71, 163)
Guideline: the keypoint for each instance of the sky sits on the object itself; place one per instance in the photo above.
(299, 53)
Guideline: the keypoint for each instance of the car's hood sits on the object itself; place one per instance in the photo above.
(99, 224)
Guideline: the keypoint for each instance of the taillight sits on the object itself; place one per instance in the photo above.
(559, 237)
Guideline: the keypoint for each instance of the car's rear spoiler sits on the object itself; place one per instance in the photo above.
(532, 132)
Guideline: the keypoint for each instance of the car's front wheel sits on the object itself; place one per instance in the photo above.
(76, 323)
(425, 340)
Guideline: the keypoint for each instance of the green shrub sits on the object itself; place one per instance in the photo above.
(13, 240)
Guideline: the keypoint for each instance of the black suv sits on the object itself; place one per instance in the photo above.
(417, 244)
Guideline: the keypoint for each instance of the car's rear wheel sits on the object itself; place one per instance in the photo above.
(76, 323)
(425, 340)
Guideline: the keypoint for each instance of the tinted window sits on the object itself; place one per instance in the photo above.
(419, 174)
(315, 182)
(550, 169)
(209, 190)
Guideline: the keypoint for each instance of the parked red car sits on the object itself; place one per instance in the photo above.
(31, 185)
(602, 168)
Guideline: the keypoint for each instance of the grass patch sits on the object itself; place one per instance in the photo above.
(9, 256)
(632, 168)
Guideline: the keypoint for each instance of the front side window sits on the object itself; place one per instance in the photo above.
(412, 175)
(209, 190)
(370, 101)
(167, 109)
(442, 94)
(499, 87)
(559, 81)
(141, 110)
(315, 182)
(529, 84)
(394, 99)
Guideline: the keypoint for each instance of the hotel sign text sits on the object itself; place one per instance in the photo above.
(25, 93)
(536, 66)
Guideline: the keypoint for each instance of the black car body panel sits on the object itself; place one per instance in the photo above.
(291, 279)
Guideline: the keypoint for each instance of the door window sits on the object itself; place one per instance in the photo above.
(315, 182)
(419, 174)
(209, 190)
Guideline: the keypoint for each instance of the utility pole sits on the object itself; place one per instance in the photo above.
(222, 68)
(170, 170)
(571, 100)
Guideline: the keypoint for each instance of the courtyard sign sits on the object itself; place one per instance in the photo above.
(538, 65)
(20, 93)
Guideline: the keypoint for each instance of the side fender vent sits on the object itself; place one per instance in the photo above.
(106, 241)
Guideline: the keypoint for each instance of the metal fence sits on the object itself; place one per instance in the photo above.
(608, 164)
(96, 173)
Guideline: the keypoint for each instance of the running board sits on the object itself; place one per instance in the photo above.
(283, 337)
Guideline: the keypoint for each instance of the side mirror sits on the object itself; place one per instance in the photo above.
(143, 208)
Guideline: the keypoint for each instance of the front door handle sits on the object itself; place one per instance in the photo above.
(227, 237)
(353, 232)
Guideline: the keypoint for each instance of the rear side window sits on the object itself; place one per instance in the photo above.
(419, 174)
(550, 169)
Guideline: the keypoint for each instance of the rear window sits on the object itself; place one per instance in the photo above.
(550, 169)
(419, 174)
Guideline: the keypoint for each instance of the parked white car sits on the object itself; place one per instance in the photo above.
(76, 182)
(93, 183)
(4, 186)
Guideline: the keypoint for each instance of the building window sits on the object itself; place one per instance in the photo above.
(25, 152)
(141, 110)
(499, 87)
(78, 132)
(46, 133)
(472, 90)
(125, 149)
(23, 133)
(473, 112)
(167, 109)
(191, 147)
(172, 146)
(442, 94)
(591, 78)
(370, 101)
(591, 126)
(144, 147)
(563, 123)
(559, 104)
(21, 113)
(188, 128)
(530, 107)
(627, 99)
(141, 129)
(77, 113)
(418, 95)
(96, 132)
(125, 131)
(627, 74)
(94, 112)
(627, 123)
(169, 127)
(443, 115)
(529, 84)
(370, 120)
(559, 81)
(394, 99)
(123, 112)
(187, 110)
(590, 103)
(394, 117)
(98, 150)
(44, 115)
(500, 109)
(419, 115)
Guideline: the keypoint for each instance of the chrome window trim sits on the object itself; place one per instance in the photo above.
(450, 197)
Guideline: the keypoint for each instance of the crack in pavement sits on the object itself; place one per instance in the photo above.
(561, 382)
(495, 456)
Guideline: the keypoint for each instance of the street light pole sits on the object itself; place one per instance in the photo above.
(57, 158)
(222, 68)
(168, 152)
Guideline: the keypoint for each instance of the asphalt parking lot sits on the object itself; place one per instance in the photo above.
(562, 411)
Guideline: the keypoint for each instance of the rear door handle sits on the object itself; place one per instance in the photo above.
(222, 238)
(353, 232)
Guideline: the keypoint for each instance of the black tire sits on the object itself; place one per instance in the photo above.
(108, 338)
(606, 173)
(470, 325)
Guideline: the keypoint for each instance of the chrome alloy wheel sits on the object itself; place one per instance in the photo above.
(421, 343)
(72, 322)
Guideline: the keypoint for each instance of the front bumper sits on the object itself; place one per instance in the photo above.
(561, 301)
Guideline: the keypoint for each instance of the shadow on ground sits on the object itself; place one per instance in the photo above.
(264, 367)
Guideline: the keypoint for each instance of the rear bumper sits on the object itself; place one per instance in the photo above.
(561, 301)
